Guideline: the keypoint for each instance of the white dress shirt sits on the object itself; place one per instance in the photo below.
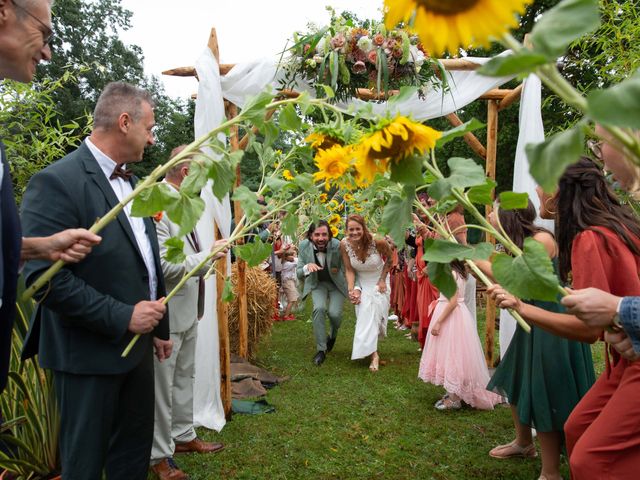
(122, 188)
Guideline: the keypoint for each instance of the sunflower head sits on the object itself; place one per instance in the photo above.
(334, 231)
(392, 141)
(332, 164)
(446, 25)
(287, 175)
(322, 141)
(334, 219)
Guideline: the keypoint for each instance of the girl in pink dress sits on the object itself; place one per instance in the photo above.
(452, 356)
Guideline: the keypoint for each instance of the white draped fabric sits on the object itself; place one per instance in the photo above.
(248, 79)
(207, 403)
(531, 131)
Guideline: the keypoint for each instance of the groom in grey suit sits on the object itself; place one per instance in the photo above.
(320, 266)
(173, 425)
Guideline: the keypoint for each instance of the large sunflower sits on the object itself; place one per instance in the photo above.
(446, 25)
(332, 164)
(398, 139)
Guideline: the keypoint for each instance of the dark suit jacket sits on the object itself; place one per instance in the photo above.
(84, 315)
(10, 243)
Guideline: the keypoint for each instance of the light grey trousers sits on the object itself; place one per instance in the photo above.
(328, 300)
(174, 396)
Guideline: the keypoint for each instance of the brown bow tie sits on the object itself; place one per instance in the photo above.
(120, 172)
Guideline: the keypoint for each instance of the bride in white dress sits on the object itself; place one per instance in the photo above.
(367, 263)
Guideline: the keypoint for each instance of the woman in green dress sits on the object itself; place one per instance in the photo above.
(542, 375)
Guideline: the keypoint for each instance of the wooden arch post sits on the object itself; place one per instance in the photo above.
(498, 99)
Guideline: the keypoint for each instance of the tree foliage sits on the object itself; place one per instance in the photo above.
(87, 41)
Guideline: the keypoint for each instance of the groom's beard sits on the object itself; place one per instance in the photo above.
(321, 248)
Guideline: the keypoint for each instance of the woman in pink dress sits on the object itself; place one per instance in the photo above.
(452, 355)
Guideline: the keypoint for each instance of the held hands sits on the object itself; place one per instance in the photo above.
(381, 286)
(354, 296)
(503, 298)
(594, 307)
(163, 348)
(222, 253)
(70, 245)
(621, 342)
(146, 315)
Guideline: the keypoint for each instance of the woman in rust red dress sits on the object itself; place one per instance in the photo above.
(599, 243)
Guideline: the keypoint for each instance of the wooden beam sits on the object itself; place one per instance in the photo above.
(231, 111)
(492, 148)
(510, 98)
(450, 64)
(223, 333)
(221, 307)
(469, 138)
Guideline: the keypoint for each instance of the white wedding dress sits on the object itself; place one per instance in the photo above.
(372, 312)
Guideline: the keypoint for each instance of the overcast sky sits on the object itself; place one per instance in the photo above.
(173, 34)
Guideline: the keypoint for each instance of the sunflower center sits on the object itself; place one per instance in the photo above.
(447, 7)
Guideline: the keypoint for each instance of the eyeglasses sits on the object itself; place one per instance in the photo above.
(596, 148)
(47, 34)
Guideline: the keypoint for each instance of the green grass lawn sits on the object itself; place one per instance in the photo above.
(340, 421)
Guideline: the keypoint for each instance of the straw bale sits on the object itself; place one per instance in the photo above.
(261, 294)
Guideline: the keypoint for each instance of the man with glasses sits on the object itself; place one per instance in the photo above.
(25, 33)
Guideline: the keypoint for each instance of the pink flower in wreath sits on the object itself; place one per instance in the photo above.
(359, 55)
(378, 39)
(306, 48)
(359, 67)
(337, 41)
(372, 56)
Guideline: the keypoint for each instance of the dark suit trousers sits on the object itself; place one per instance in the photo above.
(106, 423)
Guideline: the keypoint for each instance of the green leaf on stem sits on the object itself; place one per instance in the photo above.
(304, 102)
(530, 276)
(289, 119)
(275, 184)
(618, 105)
(548, 160)
(513, 200)
(407, 171)
(328, 91)
(223, 173)
(227, 291)
(396, 216)
(443, 251)
(289, 224)
(198, 175)
(482, 194)
(464, 173)
(459, 131)
(158, 198)
(270, 133)
(564, 23)
(440, 275)
(305, 182)
(254, 108)
(186, 212)
(253, 253)
(248, 201)
(522, 62)
(175, 250)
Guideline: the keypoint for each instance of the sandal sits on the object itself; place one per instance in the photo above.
(513, 450)
(446, 403)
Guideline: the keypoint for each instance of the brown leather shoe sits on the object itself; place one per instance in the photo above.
(200, 446)
(168, 470)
